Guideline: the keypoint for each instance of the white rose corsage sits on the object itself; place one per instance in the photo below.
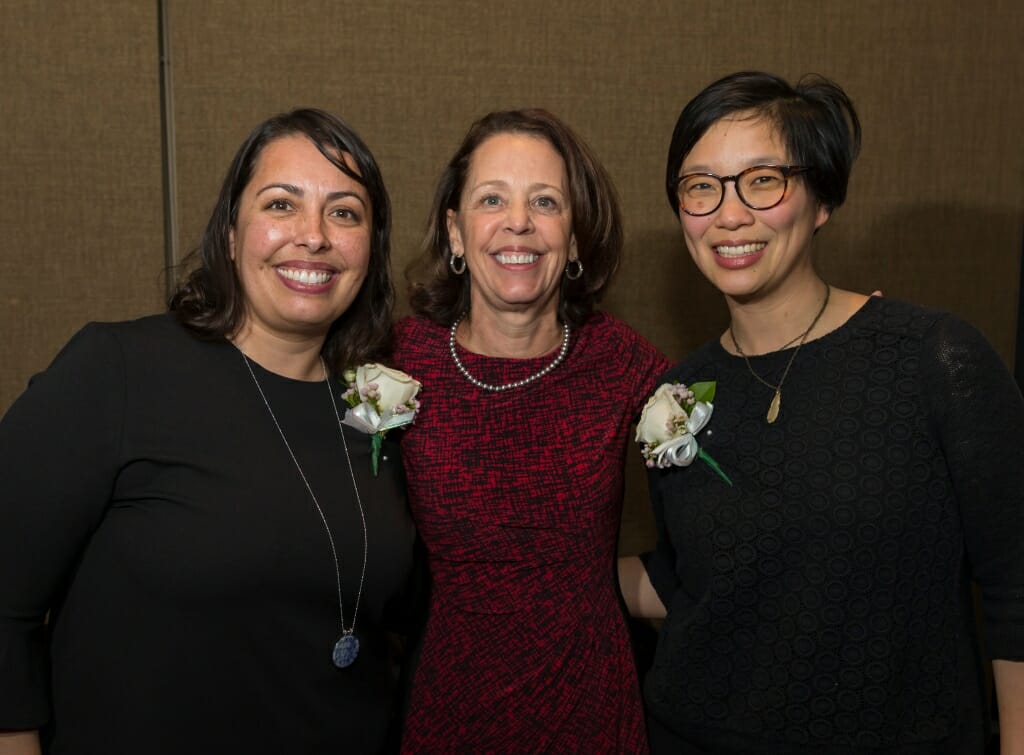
(670, 420)
(379, 399)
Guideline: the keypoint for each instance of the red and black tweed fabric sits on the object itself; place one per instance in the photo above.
(518, 497)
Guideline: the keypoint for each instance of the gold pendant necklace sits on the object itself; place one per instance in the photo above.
(776, 404)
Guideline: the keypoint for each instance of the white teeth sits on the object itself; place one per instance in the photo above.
(516, 259)
(307, 277)
(742, 249)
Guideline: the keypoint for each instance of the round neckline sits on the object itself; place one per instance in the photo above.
(275, 377)
(465, 352)
(811, 344)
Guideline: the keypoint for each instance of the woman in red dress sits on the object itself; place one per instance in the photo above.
(515, 460)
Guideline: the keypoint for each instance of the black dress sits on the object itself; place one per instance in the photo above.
(149, 504)
(823, 604)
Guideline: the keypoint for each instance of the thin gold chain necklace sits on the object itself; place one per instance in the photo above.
(776, 404)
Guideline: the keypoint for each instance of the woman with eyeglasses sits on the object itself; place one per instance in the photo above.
(819, 599)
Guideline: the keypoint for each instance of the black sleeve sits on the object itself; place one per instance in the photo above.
(979, 416)
(661, 562)
(59, 446)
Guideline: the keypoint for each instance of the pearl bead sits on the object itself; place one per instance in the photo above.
(506, 386)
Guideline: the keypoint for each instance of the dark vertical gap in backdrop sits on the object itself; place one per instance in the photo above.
(1020, 320)
(170, 174)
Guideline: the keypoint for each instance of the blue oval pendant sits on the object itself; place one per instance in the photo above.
(345, 651)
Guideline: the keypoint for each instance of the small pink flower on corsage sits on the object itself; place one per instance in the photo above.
(380, 399)
(670, 420)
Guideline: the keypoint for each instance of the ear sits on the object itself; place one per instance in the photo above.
(454, 234)
(573, 253)
(231, 243)
(822, 216)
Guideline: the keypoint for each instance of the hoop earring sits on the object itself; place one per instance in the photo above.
(574, 273)
(457, 267)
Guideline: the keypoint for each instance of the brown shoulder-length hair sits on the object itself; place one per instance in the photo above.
(211, 302)
(438, 294)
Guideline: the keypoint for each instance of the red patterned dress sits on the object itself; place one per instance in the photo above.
(518, 497)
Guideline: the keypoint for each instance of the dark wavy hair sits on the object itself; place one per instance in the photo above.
(438, 294)
(815, 119)
(211, 300)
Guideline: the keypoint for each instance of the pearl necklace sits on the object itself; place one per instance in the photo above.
(506, 386)
(347, 647)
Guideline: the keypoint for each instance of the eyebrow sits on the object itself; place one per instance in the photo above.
(499, 183)
(297, 191)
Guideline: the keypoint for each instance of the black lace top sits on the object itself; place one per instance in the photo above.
(823, 603)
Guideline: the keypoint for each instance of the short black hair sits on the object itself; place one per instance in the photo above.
(815, 119)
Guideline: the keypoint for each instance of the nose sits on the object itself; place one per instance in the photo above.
(518, 218)
(732, 213)
(310, 233)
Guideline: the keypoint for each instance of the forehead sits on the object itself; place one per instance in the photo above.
(296, 155)
(736, 142)
(513, 157)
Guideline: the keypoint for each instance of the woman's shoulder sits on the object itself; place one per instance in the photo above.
(609, 330)
(415, 329)
(606, 324)
(163, 325)
(151, 332)
(706, 362)
(417, 338)
(414, 326)
(915, 329)
(609, 338)
(98, 358)
(899, 318)
(927, 341)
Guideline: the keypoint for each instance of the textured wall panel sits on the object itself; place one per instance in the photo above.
(81, 211)
(934, 214)
(936, 205)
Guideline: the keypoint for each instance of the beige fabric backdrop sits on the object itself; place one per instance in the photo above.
(935, 213)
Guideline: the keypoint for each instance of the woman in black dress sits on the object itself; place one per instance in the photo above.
(821, 602)
(218, 560)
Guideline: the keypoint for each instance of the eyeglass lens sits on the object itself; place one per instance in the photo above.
(759, 188)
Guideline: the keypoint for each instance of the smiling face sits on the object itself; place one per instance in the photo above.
(514, 225)
(301, 242)
(747, 253)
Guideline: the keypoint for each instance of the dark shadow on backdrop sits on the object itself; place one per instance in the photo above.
(959, 258)
(678, 310)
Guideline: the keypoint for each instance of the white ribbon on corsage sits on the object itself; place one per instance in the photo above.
(682, 450)
(364, 417)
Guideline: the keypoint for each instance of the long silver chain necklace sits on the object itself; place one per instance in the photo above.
(776, 404)
(347, 647)
(506, 386)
